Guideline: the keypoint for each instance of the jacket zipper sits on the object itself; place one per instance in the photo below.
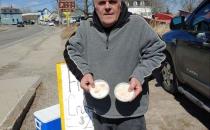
(107, 41)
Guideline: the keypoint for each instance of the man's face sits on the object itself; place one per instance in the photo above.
(108, 11)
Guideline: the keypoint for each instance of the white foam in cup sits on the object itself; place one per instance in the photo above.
(122, 94)
(101, 89)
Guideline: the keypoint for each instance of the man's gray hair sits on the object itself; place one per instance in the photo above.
(94, 0)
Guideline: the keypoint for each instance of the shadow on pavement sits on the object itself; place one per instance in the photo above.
(197, 112)
(202, 115)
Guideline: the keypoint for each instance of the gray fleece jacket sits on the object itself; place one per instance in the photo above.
(129, 49)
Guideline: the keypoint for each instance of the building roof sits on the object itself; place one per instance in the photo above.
(45, 9)
(163, 17)
(10, 10)
(31, 14)
(184, 11)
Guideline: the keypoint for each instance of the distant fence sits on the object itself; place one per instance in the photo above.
(154, 22)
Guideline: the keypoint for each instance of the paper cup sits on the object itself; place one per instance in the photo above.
(101, 89)
(122, 94)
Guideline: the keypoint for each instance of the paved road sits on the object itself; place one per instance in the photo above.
(14, 34)
(35, 55)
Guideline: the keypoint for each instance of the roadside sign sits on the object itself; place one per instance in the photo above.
(67, 5)
(74, 114)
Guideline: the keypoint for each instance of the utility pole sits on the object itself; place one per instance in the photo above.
(0, 12)
(59, 18)
(11, 3)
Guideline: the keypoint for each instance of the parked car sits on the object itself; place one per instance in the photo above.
(187, 66)
(73, 20)
(51, 24)
(20, 24)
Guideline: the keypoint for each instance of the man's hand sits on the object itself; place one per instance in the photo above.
(136, 86)
(87, 82)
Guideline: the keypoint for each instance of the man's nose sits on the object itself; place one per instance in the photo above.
(108, 6)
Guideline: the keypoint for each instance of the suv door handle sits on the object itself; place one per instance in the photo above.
(206, 44)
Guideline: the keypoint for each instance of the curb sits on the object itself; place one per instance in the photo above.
(16, 116)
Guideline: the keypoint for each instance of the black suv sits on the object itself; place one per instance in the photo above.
(187, 66)
(20, 24)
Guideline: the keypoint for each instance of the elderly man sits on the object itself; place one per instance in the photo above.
(117, 47)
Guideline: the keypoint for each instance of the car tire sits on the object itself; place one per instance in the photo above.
(169, 80)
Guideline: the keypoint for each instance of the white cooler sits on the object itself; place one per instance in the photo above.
(48, 118)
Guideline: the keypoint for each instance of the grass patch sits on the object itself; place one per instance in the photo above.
(69, 31)
(161, 29)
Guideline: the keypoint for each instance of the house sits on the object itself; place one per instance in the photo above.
(54, 16)
(184, 13)
(163, 17)
(140, 7)
(10, 15)
(44, 16)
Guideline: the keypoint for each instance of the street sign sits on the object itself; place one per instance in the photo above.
(66, 5)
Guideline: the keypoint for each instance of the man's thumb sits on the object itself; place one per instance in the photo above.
(91, 83)
(132, 86)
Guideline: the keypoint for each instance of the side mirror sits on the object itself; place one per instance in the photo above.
(177, 23)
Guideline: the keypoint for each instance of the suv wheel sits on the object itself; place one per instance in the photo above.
(169, 81)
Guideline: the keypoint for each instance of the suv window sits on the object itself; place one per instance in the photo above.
(202, 26)
(201, 20)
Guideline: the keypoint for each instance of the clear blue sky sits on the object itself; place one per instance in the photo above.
(35, 5)
(173, 5)
(32, 4)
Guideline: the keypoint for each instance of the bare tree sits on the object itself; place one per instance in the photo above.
(189, 5)
(158, 6)
(59, 12)
(84, 6)
(55, 6)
